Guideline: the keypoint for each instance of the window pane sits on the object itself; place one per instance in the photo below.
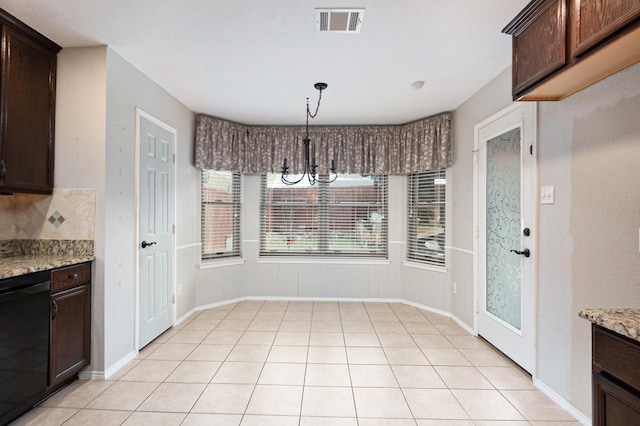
(220, 214)
(344, 218)
(289, 216)
(426, 217)
(356, 213)
(299, 232)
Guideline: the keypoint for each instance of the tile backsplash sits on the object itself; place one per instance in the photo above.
(67, 214)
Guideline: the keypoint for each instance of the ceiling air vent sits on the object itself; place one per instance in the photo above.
(339, 20)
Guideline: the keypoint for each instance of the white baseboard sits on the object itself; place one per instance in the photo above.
(330, 299)
(584, 420)
(209, 306)
(91, 375)
(118, 365)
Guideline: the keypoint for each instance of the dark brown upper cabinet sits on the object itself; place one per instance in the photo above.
(27, 108)
(594, 21)
(563, 46)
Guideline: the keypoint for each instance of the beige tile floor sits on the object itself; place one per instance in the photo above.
(309, 363)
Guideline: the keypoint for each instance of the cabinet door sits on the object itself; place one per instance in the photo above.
(595, 20)
(539, 45)
(70, 333)
(613, 404)
(27, 114)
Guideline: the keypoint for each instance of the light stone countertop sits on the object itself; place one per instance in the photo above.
(624, 321)
(20, 257)
(21, 265)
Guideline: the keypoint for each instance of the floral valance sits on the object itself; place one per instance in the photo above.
(417, 146)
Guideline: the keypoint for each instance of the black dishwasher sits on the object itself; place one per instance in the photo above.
(24, 342)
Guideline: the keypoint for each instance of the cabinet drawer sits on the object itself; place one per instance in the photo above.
(70, 276)
(617, 356)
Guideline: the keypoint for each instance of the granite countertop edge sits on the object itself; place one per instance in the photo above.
(21, 257)
(21, 265)
(624, 321)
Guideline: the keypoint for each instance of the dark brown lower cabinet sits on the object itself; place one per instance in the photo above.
(613, 404)
(70, 345)
(616, 379)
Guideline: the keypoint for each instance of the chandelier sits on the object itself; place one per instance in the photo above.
(309, 165)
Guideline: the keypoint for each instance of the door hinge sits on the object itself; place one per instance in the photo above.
(531, 149)
(173, 229)
(173, 156)
(174, 299)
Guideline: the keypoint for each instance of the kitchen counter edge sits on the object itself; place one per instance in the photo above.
(624, 321)
(21, 265)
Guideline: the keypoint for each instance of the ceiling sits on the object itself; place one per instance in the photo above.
(255, 62)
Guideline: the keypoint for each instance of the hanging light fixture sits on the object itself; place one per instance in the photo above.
(309, 164)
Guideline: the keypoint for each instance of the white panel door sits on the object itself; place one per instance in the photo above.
(155, 229)
(505, 224)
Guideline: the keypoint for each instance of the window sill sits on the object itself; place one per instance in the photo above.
(416, 265)
(209, 264)
(323, 260)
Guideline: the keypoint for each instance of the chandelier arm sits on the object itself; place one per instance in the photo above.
(330, 180)
(284, 179)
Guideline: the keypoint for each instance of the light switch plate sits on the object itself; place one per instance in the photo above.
(547, 195)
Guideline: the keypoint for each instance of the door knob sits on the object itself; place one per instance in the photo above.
(525, 252)
(146, 244)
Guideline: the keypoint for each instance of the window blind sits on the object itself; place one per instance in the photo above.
(220, 215)
(426, 217)
(346, 218)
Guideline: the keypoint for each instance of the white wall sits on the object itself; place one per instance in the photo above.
(97, 94)
(80, 155)
(589, 148)
(128, 88)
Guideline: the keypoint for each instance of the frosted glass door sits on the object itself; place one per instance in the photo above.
(506, 235)
(503, 228)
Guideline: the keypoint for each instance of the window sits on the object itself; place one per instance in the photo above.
(220, 234)
(426, 217)
(345, 218)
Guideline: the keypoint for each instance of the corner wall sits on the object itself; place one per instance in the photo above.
(128, 88)
(80, 157)
(97, 92)
(589, 148)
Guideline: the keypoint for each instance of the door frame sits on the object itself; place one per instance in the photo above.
(139, 114)
(529, 137)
